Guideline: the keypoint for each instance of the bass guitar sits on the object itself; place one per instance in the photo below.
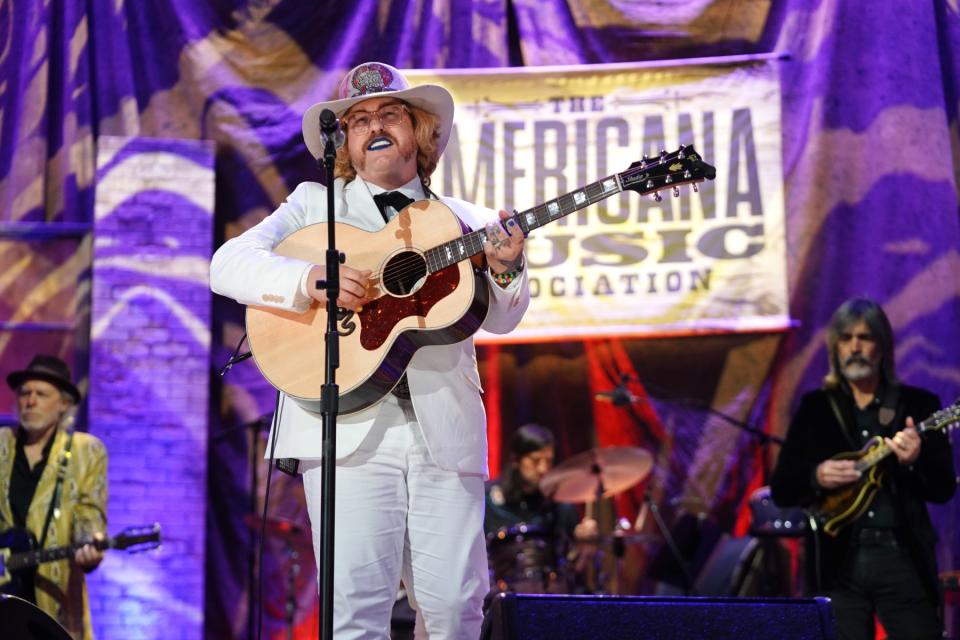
(426, 287)
(845, 505)
(19, 556)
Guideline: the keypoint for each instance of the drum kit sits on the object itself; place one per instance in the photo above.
(528, 559)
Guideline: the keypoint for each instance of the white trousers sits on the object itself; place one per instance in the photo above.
(399, 516)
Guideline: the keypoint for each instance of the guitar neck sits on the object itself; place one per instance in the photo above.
(647, 176)
(24, 559)
(471, 244)
(938, 420)
(873, 457)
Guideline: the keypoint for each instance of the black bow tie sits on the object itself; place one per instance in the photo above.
(393, 199)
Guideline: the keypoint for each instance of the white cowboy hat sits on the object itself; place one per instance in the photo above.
(374, 80)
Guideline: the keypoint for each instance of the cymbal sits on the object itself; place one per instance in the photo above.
(579, 479)
(276, 526)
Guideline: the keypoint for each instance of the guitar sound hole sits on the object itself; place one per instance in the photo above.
(404, 273)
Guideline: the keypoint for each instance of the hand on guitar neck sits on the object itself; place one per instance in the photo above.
(89, 556)
(504, 244)
(905, 445)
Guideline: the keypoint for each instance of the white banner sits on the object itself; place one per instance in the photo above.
(712, 260)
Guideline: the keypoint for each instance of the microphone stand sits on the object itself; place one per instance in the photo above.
(621, 396)
(688, 589)
(329, 397)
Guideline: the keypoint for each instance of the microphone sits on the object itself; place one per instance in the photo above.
(330, 130)
(620, 396)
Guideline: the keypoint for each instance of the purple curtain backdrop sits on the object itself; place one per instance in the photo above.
(869, 141)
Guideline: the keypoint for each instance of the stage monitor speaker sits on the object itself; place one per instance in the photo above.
(25, 621)
(549, 617)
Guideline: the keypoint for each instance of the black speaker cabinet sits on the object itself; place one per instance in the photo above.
(24, 621)
(548, 617)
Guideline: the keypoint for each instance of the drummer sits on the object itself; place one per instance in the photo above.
(516, 497)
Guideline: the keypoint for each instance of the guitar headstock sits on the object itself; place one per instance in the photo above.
(947, 418)
(667, 171)
(137, 539)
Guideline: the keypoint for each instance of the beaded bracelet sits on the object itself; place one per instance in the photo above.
(505, 278)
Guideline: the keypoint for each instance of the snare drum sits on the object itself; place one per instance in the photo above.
(524, 559)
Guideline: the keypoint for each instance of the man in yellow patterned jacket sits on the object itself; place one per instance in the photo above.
(31, 457)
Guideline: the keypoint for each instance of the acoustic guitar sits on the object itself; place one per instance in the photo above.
(427, 287)
(845, 505)
(19, 556)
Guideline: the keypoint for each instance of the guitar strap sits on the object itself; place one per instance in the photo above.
(888, 410)
(886, 415)
(54, 508)
(838, 414)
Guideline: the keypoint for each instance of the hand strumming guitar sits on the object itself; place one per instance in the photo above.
(353, 286)
(832, 474)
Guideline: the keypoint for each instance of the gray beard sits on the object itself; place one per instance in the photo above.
(857, 371)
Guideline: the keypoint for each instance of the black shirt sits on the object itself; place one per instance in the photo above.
(556, 519)
(882, 513)
(24, 480)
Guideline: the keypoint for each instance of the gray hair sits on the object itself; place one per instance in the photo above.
(848, 314)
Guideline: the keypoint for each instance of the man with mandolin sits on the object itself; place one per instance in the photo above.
(53, 488)
(411, 449)
(866, 452)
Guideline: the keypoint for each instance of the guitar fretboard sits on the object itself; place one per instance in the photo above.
(470, 244)
(667, 171)
(940, 419)
(24, 559)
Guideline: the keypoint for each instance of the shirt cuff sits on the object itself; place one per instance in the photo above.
(303, 298)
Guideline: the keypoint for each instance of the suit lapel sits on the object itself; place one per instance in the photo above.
(361, 210)
(44, 493)
(8, 443)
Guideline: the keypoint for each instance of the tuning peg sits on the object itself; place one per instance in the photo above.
(657, 197)
(680, 154)
(663, 153)
(643, 161)
(649, 184)
(687, 175)
(669, 179)
(676, 192)
(696, 189)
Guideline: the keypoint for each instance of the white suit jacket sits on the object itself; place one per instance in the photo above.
(443, 379)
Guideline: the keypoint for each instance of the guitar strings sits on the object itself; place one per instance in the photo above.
(417, 264)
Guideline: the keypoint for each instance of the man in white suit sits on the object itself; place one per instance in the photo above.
(411, 468)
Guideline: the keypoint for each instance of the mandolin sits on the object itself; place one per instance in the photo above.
(425, 288)
(19, 555)
(845, 505)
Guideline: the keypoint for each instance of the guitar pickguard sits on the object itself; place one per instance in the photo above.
(380, 316)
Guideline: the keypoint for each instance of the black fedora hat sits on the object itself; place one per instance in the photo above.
(49, 369)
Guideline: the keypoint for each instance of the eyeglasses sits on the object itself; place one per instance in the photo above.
(390, 116)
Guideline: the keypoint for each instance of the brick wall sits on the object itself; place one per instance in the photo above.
(148, 397)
